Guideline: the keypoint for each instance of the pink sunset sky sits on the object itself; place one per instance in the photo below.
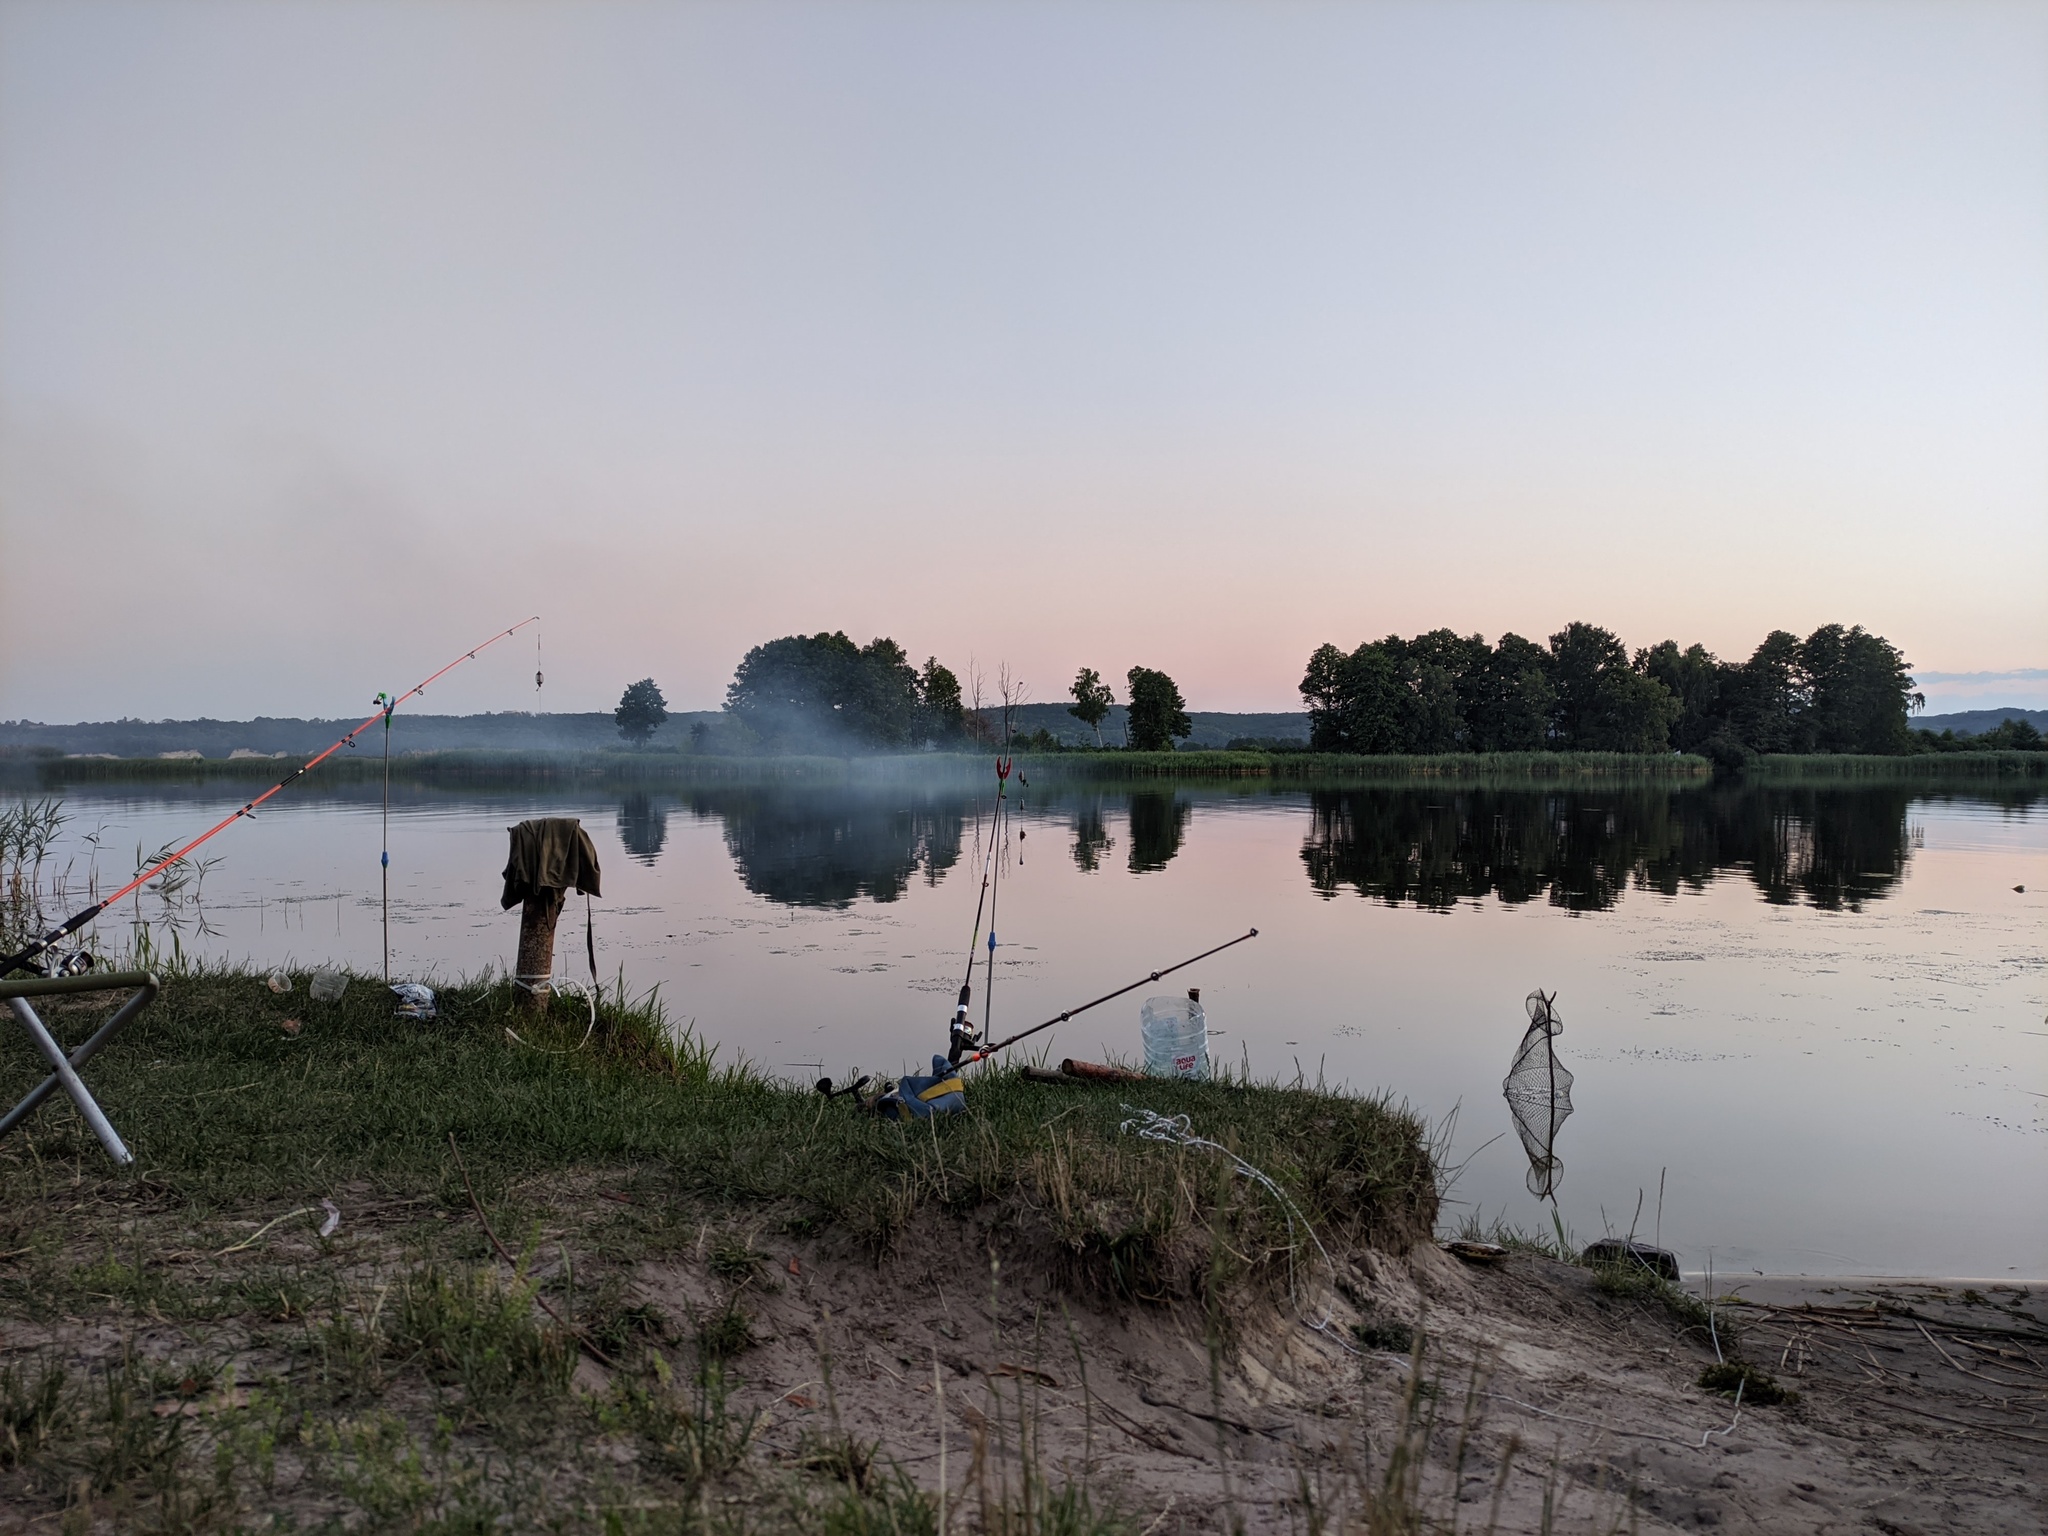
(335, 337)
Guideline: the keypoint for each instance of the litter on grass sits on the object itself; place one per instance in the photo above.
(414, 1001)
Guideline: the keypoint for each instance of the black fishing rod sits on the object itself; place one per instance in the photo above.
(987, 1051)
(23, 959)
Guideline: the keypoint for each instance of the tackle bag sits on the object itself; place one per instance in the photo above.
(919, 1098)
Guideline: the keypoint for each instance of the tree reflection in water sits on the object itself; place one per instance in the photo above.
(1580, 849)
(826, 849)
(1091, 836)
(643, 826)
(1158, 822)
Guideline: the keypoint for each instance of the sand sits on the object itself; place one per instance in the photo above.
(1920, 1404)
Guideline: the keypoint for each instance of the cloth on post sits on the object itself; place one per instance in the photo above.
(552, 853)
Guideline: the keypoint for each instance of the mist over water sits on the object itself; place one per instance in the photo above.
(1819, 1011)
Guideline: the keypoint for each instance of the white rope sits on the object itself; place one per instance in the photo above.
(536, 984)
(1178, 1130)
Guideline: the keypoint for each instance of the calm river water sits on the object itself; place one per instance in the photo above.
(1819, 1016)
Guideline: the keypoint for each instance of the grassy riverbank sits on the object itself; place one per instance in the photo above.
(509, 769)
(1921, 768)
(398, 1374)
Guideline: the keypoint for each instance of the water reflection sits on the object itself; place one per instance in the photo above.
(1578, 849)
(643, 826)
(1581, 849)
(1159, 821)
(825, 849)
(1091, 836)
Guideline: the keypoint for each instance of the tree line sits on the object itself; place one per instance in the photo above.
(1838, 690)
(825, 691)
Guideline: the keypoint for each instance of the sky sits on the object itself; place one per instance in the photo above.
(336, 337)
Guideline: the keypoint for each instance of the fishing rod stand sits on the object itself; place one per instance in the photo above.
(64, 1069)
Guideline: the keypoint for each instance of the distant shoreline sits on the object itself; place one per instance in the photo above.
(1298, 768)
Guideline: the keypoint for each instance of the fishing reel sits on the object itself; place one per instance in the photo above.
(76, 963)
(962, 1038)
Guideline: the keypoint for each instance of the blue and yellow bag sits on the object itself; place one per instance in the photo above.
(919, 1098)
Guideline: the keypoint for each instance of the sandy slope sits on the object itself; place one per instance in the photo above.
(1917, 1411)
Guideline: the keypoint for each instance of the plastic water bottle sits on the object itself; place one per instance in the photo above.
(1176, 1036)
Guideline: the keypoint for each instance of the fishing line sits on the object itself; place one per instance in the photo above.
(23, 958)
(961, 1032)
(998, 840)
(1060, 1018)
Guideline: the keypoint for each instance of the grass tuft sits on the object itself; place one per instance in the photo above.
(1758, 1387)
(471, 1329)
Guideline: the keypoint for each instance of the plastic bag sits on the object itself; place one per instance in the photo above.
(414, 1001)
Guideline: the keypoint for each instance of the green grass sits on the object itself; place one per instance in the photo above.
(224, 1108)
(482, 769)
(1352, 768)
(1860, 768)
(487, 769)
(403, 1376)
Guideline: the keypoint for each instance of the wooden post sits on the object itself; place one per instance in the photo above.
(536, 962)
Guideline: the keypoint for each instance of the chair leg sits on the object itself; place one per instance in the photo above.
(69, 1080)
(79, 1057)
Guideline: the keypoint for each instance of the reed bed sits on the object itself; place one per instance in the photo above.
(520, 769)
(1928, 767)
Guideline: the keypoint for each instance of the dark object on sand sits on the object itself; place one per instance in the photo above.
(1736, 1378)
(1474, 1253)
(1539, 1092)
(1661, 1262)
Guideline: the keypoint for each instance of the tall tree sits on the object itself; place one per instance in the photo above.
(1511, 699)
(1359, 702)
(941, 715)
(1092, 700)
(1439, 665)
(1603, 704)
(1767, 696)
(1858, 691)
(1157, 713)
(1693, 677)
(641, 711)
(824, 691)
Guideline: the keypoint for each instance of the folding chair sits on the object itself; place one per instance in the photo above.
(64, 1069)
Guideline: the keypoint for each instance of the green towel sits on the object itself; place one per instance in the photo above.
(553, 853)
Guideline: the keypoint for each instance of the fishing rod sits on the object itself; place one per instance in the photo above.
(24, 958)
(987, 1051)
(961, 1030)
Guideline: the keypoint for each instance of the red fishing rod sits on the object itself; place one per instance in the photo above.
(23, 960)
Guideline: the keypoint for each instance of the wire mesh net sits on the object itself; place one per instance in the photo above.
(1539, 1093)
